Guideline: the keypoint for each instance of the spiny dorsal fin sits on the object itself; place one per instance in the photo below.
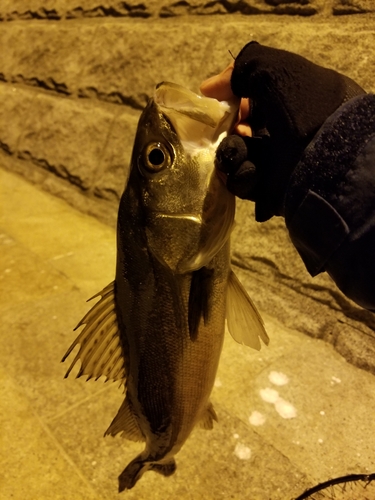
(126, 422)
(208, 417)
(100, 349)
(244, 321)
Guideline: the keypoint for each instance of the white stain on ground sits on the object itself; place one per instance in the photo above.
(285, 409)
(257, 418)
(269, 395)
(218, 383)
(278, 378)
(335, 380)
(242, 451)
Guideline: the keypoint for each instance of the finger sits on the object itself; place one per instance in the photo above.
(244, 109)
(218, 86)
(244, 129)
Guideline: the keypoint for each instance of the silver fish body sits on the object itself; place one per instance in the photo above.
(173, 320)
(160, 326)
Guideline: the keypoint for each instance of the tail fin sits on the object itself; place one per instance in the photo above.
(165, 469)
(137, 467)
(132, 473)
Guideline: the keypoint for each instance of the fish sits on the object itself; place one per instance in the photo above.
(158, 328)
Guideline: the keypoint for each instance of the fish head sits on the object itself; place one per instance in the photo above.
(187, 211)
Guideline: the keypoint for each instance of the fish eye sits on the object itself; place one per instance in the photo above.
(156, 157)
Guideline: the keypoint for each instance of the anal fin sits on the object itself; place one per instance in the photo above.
(244, 321)
(126, 422)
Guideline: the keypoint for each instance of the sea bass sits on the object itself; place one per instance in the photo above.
(159, 327)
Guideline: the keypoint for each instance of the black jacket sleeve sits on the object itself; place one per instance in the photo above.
(330, 201)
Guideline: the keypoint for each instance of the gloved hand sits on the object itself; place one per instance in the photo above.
(290, 98)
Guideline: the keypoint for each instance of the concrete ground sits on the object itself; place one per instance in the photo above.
(290, 416)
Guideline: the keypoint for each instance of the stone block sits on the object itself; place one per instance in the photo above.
(50, 56)
(323, 42)
(108, 8)
(115, 164)
(247, 7)
(126, 60)
(37, 468)
(341, 7)
(29, 9)
(66, 137)
(15, 106)
(122, 61)
(59, 9)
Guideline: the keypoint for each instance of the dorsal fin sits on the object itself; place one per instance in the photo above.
(208, 417)
(126, 422)
(100, 349)
(244, 321)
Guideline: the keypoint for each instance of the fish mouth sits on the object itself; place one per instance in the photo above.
(195, 116)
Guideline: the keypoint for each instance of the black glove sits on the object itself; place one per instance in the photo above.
(290, 99)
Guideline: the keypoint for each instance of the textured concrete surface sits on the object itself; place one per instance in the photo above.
(77, 9)
(290, 416)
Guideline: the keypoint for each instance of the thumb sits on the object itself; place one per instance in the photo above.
(218, 86)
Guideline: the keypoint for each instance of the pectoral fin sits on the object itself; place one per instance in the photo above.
(208, 417)
(244, 321)
(126, 422)
(100, 349)
(199, 299)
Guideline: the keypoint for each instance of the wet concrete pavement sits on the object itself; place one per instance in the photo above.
(290, 416)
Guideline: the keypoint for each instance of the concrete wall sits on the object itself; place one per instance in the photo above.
(75, 74)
